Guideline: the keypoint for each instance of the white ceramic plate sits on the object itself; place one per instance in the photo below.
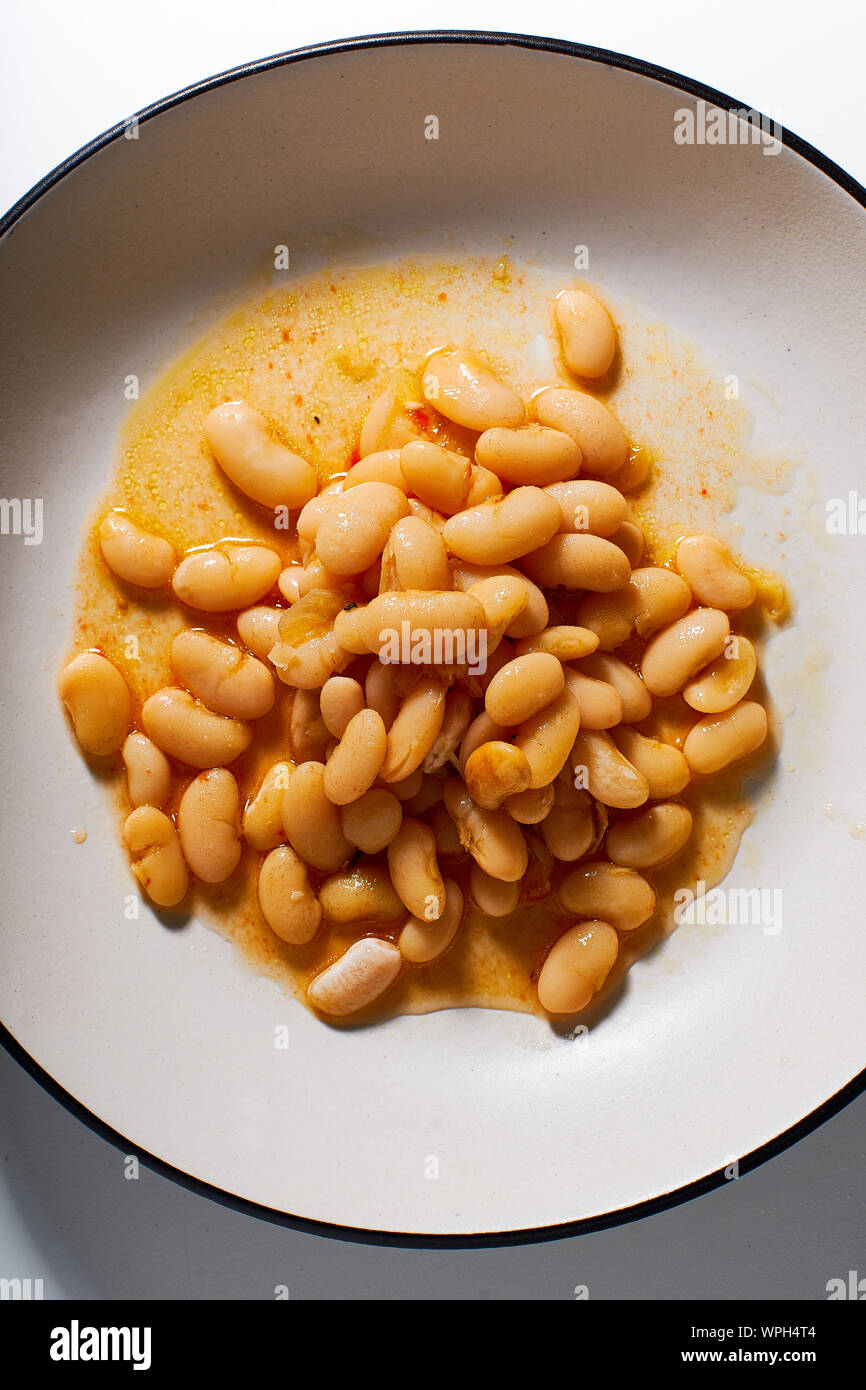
(729, 1043)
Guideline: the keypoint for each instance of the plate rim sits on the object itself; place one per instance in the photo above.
(358, 1234)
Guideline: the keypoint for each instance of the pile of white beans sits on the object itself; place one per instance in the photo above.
(399, 776)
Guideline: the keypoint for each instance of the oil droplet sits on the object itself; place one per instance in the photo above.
(79, 836)
(857, 830)
(829, 810)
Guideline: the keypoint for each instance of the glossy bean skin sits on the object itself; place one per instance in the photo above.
(577, 966)
(353, 531)
(523, 687)
(607, 891)
(98, 702)
(208, 823)
(708, 567)
(440, 478)
(590, 424)
(586, 332)
(567, 643)
(421, 941)
(482, 730)
(264, 469)
(610, 777)
(610, 616)
(661, 598)
(157, 858)
(363, 893)
(312, 822)
(262, 821)
(531, 806)
(636, 699)
(579, 560)
(420, 555)
(531, 619)
(415, 871)
(383, 466)
(484, 486)
(494, 772)
(187, 730)
(135, 555)
(372, 821)
(356, 761)
(726, 680)
(631, 541)
(386, 425)
(225, 577)
(497, 532)
(259, 629)
(590, 506)
(600, 703)
(148, 774)
(460, 385)
(414, 730)
(340, 699)
(548, 737)
(360, 976)
(375, 627)
(503, 599)
(308, 735)
(494, 840)
(224, 677)
(529, 455)
(286, 899)
(718, 740)
(569, 829)
(679, 651)
(492, 896)
(651, 837)
(665, 768)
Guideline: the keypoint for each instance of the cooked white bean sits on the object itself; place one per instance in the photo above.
(415, 872)
(590, 424)
(360, 976)
(723, 683)
(135, 555)
(420, 555)
(579, 560)
(98, 700)
(720, 739)
(379, 626)
(148, 774)
(354, 529)
(676, 653)
(610, 616)
(531, 619)
(307, 733)
(226, 576)
(523, 687)
(312, 822)
(262, 467)
(421, 941)
(187, 730)
(664, 767)
(259, 630)
(531, 454)
(386, 425)
(661, 598)
(440, 478)
(497, 532)
(494, 772)
(363, 893)
(460, 385)
(607, 891)
(548, 737)
(158, 861)
(224, 677)
(383, 466)
(340, 699)
(262, 821)
(455, 722)
(531, 806)
(286, 899)
(355, 763)
(569, 830)
(630, 539)
(372, 821)
(708, 566)
(577, 966)
(208, 822)
(651, 837)
(494, 840)
(492, 896)
(414, 730)
(587, 334)
(636, 699)
(589, 506)
(608, 776)
(564, 642)
(600, 703)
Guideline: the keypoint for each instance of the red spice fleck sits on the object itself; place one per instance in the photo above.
(704, 492)
(299, 400)
(443, 296)
(419, 415)
(354, 456)
(285, 335)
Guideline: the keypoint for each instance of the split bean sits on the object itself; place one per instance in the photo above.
(208, 823)
(360, 976)
(157, 858)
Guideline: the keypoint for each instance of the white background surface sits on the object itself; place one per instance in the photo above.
(66, 1214)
